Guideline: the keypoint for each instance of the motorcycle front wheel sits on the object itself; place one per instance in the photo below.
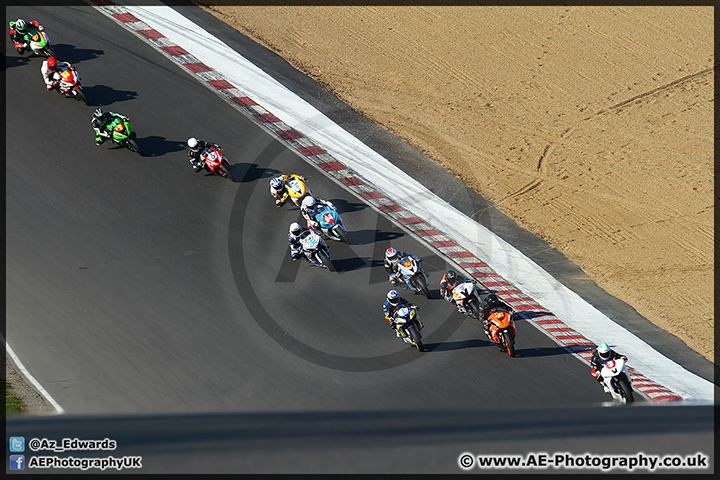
(415, 336)
(133, 146)
(342, 234)
(322, 256)
(80, 95)
(625, 390)
(422, 285)
(225, 169)
(474, 309)
(509, 343)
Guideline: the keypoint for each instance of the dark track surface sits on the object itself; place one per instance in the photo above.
(137, 287)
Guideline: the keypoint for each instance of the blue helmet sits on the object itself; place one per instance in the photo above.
(393, 297)
(277, 183)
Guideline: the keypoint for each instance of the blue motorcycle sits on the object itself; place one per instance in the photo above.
(331, 225)
(410, 272)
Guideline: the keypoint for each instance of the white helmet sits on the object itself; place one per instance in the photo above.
(308, 203)
(604, 351)
(295, 229)
(192, 142)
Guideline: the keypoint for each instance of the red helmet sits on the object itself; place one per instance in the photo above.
(51, 63)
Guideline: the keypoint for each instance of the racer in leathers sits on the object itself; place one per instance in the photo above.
(600, 356)
(309, 207)
(490, 303)
(279, 189)
(296, 233)
(195, 148)
(103, 123)
(50, 71)
(449, 281)
(391, 263)
(19, 33)
(393, 301)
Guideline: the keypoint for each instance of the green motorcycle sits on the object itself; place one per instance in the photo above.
(122, 133)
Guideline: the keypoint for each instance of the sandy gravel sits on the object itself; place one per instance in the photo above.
(589, 126)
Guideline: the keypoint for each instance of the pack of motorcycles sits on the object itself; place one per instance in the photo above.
(410, 274)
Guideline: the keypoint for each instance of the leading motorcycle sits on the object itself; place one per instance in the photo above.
(331, 225)
(408, 324)
(315, 249)
(467, 299)
(616, 381)
(213, 160)
(501, 330)
(39, 42)
(412, 275)
(69, 84)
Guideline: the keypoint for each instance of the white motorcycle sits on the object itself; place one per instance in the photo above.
(412, 275)
(467, 299)
(616, 381)
(315, 249)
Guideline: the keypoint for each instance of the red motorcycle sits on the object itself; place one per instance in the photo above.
(502, 330)
(213, 160)
(68, 83)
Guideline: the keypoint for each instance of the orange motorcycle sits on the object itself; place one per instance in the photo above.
(501, 330)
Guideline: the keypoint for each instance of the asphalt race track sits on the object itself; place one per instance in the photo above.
(160, 308)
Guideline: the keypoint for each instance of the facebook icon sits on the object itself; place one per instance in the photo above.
(17, 462)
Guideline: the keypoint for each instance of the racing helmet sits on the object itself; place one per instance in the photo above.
(308, 203)
(192, 142)
(391, 253)
(277, 183)
(99, 113)
(451, 276)
(20, 25)
(393, 297)
(604, 351)
(295, 229)
(492, 300)
(51, 63)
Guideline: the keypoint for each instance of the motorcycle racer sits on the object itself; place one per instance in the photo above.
(393, 301)
(392, 263)
(50, 71)
(309, 209)
(19, 33)
(600, 356)
(490, 303)
(279, 189)
(195, 148)
(449, 281)
(296, 233)
(103, 122)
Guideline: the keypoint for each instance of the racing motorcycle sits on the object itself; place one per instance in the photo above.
(315, 249)
(331, 225)
(467, 299)
(123, 134)
(39, 42)
(616, 381)
(69, 84)
(501, 330)
(414, 277)
(408, 324)
(214, 161)
(297, 190)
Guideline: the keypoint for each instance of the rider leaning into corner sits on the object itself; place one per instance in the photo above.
(600, 356)
(279, 189)
(490, 303)
(296, 233)
(392, 263)
(50, 71)
(195, 148)
(309, 207)
(392, 303)
(19, 33)
(101, 121)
